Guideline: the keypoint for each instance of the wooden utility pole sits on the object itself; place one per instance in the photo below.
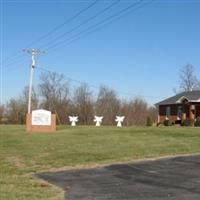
(33, 52)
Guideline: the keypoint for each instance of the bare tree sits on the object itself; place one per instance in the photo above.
(13, 111)
(2, 112)
(136, 112)
(139, 112)
(24, 99)
(83, 104)
(54, 91)
(16, 108)
(107, 105)
(198, 85)
(55, 94)
(188, 79)
(153, 113)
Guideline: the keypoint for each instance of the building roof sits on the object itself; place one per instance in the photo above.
(192, 96)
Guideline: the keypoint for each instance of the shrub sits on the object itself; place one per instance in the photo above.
(197, 122)
(167, 122)
(149, 122)
(188, 122)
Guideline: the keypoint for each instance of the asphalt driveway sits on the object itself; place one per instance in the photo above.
(171, 178)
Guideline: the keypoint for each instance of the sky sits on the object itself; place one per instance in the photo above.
(139, 53)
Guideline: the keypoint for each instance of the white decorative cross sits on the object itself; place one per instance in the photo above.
(98, 120)
(119, 120)
(73, 120)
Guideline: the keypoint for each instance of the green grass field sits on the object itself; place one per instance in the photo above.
(23, 154)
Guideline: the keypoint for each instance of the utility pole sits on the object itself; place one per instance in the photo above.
(33, 52)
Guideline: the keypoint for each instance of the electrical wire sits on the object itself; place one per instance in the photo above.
(97, 87)
(109, 18)
(83, 23)
(88, 31)
(16, 55)
(65, 22)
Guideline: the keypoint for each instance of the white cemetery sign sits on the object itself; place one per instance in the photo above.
(41, 117)
(98, 120)
(119, 120)
(73, 120)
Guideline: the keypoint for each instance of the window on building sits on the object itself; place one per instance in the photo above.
(168, 112)
(197, 111)
(179, 112)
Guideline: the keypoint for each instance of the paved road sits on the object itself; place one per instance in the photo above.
(164, 179)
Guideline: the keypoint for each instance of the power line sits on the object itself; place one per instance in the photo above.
(33, 52)
(114, 18)
(97, 87)
(12, 57)
(87, 31)
(55, 28)
(19, 59)
(66, 22)
(71, 30)
(84, 22)
(109, 18)
(51, 1)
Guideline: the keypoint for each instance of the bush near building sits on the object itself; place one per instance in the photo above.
(197, 122)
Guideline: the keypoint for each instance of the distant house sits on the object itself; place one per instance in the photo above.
(179, 107)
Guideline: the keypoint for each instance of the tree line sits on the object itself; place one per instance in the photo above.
(55, 94)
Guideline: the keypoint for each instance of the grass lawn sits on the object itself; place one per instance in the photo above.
(23, 154)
